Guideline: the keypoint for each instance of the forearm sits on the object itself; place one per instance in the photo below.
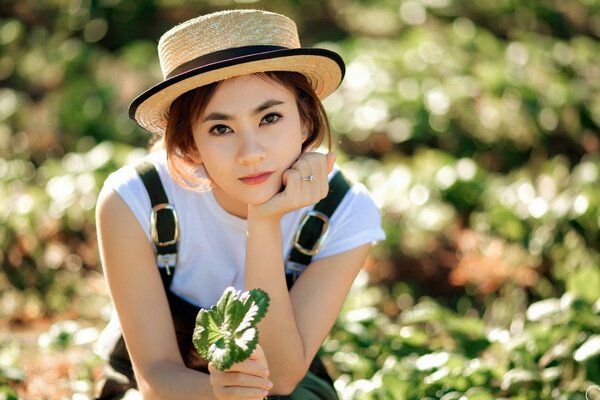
(174, 381)
(279, 334)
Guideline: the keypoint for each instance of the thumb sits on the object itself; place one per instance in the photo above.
(331, 157)
(259, 356)
(258, 353)
(284, 177)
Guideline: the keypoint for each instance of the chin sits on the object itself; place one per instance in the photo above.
(261, 196)
(260, 199)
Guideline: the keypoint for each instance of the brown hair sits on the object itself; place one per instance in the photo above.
(182, 154)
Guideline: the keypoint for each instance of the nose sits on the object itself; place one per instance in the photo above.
(251, 149)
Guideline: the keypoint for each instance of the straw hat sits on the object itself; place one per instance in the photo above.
(226, 44)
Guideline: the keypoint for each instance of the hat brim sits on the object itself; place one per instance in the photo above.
(323, 68)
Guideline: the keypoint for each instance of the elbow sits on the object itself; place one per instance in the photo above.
(283, 389)
(285, 385)
(149, 394)
(287, 376)
(149, 382)
(148, 390)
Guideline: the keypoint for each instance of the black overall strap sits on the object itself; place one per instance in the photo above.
(163, 219)
(313, 228)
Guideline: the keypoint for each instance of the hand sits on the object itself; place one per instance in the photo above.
(246, 380)
(299, 192)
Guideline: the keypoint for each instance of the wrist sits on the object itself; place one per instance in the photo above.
(256, 216)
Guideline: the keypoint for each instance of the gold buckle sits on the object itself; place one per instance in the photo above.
(154, 232)
(319, 243)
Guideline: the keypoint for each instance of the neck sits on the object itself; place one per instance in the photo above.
(234, 207)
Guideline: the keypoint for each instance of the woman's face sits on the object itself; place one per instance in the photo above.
(249, 133)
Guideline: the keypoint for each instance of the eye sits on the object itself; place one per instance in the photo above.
(270, 118)
(220, 130)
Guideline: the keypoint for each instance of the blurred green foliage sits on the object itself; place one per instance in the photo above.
(474, 123)
(550, 349)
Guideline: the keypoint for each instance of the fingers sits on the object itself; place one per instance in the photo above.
(331, 157)
(255, 354)
(318, 166)
(310, 177)
(292, 180)
(259, 354)
(245, 380)
(248, 367)
(237, 385)
(299, 190)
(259, 365)
(237, 393)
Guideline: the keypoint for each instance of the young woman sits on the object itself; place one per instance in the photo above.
(240, 118)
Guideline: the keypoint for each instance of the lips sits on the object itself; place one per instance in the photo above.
(255, 179)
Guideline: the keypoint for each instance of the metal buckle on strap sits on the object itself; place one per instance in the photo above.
(292, 267)
(319, 243)
(154, 231)
(167, 261)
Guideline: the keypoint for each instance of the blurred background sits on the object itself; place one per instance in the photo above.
(474, 123)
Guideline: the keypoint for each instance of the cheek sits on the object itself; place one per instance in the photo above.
(293, 132)
(207, 151)
(207, 159)
(287, 146)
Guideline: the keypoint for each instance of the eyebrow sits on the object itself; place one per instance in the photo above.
(217, 116)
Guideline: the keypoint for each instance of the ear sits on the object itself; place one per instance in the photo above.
(305, 134)
(192, 151)
(198, 159)
(194, 156)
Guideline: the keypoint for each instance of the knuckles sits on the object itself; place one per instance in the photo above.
(314, 160)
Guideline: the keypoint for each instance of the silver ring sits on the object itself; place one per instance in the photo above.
(310, 178)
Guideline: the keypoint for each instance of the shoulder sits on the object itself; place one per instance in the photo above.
(124, 191)
(127, 176)
(110, 207)
(355, 222)
(117, 222)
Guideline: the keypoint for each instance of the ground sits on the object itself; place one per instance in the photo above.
(52, 357)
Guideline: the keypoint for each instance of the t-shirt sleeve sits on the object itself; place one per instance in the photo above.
(355, 222)
(128, 185)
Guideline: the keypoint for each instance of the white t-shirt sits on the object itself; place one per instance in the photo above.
(212, 242)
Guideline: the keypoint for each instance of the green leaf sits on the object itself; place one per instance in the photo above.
(518, 377)
(585, 283)
(261, 298)
(227, 334)
(590, 348)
